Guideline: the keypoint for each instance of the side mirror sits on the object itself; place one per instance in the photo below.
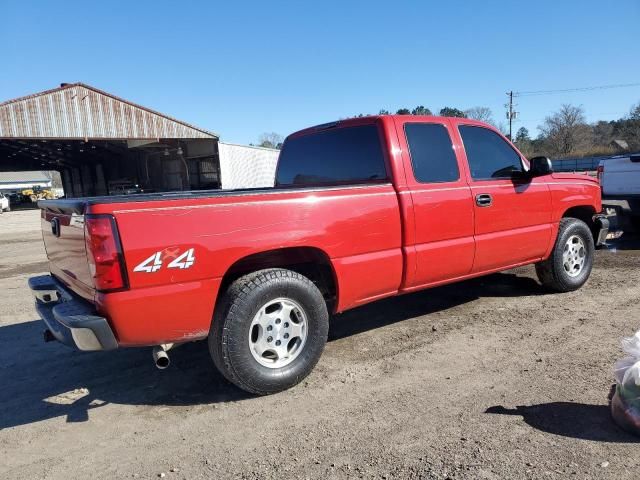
(539, 166)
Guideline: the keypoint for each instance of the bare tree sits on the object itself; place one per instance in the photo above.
(482, 114)
(602, 133)
(634, 113)
(270, 140)
(630, 130)
(566, 131)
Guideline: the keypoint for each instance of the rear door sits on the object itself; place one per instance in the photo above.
(443, 243)
(512, 214)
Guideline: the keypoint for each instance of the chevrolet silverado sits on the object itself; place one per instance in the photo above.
(361, 209)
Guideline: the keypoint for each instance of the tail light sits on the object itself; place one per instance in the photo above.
(104, 252)
(600, 172)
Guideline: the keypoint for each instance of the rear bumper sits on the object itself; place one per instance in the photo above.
(70, 320)
(624, 205)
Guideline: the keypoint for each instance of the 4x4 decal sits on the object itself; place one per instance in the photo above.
(156, 261)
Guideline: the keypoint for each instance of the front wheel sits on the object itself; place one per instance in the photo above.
(570, 263)
(269, 330)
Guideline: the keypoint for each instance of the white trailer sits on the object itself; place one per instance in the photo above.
(246, 166)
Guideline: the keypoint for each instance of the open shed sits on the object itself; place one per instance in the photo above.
(102, 144)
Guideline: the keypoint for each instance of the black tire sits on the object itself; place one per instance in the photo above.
(229, 335)
(552, 273)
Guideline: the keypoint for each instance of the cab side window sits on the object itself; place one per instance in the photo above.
(432, 157)
(489, 156)
(336, 156)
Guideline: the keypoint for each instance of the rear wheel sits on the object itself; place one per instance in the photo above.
(570, 263)
(269, 330)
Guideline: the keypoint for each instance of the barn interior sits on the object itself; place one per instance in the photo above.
(110, 167)
(102, 144)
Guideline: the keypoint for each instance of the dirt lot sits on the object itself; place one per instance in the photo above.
(492, 378)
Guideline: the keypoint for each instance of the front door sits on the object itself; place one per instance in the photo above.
(512, 213)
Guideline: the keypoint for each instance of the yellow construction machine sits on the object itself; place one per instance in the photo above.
(36, 193)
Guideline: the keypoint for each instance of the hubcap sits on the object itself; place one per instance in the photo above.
(278, 333)
(574, 255)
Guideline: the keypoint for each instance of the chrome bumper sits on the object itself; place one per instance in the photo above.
(70, 320)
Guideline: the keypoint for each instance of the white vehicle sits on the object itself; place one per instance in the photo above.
(620, 182)
(4, 203)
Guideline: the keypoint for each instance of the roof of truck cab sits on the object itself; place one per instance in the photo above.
(369, 119)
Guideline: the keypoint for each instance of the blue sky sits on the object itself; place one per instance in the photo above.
(243, 68)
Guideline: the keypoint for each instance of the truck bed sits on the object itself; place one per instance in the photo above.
(621, 177)
(78, 205)
(358, 227)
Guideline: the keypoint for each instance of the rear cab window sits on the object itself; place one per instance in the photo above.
(490, 157)
(432, 156)
(350, 155)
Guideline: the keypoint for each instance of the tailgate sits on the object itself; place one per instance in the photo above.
(63, 234)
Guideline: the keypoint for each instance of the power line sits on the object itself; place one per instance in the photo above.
(580, 89)
(512, 115)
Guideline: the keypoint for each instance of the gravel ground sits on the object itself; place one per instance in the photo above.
(488, 379)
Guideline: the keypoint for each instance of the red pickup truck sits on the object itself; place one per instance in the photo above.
(362, 209)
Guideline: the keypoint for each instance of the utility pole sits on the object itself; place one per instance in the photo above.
(511, 114)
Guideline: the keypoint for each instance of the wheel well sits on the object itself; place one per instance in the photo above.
(584, 213)
(311, 262)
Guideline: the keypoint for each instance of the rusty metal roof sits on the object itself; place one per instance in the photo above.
(80, 111)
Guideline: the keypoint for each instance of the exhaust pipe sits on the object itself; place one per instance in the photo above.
(160, 356)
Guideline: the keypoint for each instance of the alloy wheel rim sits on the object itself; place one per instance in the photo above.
(574, 256)
(278, 333)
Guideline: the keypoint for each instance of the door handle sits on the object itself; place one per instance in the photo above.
(484, 200)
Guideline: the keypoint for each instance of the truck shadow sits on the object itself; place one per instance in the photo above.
(396, 309)
(44, 381)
